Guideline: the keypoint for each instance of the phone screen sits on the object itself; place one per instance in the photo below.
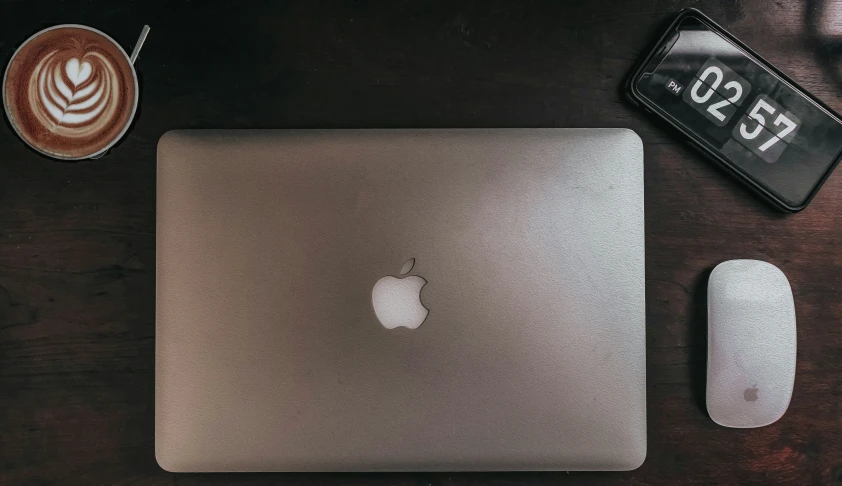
(780, 137)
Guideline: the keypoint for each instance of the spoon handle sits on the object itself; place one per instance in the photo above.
(139, 43)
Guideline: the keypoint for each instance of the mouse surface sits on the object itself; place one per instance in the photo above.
(751, 344)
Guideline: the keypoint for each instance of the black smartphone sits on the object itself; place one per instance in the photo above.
(739, 110)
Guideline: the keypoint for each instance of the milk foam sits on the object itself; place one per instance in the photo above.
(74, 96)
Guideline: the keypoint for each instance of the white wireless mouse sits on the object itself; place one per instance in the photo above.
(751, 344)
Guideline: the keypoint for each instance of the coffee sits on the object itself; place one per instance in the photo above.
(70, 92)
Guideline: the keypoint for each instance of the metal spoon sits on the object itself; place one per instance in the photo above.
(139, 43)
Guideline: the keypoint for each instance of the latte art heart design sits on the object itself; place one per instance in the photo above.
(74, 96)
(78, 72)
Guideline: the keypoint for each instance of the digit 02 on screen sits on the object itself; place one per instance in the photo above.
(739, 110)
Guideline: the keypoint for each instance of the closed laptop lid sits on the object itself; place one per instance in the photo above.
(520, 252)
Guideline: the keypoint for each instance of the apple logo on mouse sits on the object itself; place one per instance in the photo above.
(397, 300)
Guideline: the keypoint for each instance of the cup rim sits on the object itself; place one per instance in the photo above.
(128, 122)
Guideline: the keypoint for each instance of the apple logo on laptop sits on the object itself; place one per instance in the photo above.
(397, 300)
(750, 394)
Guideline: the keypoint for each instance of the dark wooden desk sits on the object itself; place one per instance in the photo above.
(77, 241)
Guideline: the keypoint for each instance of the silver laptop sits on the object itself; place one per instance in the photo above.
(390, 300)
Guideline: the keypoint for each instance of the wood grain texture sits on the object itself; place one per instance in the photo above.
(77, 241)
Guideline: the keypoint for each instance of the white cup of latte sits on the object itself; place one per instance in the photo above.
(70, 92)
